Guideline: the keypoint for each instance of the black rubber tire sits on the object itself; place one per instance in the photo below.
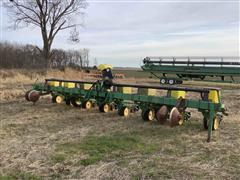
(202, 77)
(100, 108)
(54, 99)
(74, 103)
(145, 115)
(121, 111)
(163, 81)
(68, 102)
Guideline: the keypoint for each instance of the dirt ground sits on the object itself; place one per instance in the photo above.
(55, 141)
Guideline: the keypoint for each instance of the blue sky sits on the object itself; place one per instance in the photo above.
(122, 33)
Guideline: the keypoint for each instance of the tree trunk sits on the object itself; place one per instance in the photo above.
(47, 54)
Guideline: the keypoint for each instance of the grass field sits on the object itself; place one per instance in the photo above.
(50, 141)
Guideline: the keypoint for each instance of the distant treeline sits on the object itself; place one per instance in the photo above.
(29, 57)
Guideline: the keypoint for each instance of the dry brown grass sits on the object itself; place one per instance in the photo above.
(31, 137)
(15, 82)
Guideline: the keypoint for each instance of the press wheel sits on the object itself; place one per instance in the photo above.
(148, 115)
(59, 99)
(88, 105)
(104, 108)
(124, 111)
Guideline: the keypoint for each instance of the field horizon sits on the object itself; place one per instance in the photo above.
(55, 141)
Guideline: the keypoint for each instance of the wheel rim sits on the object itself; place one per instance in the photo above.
(163, 81)
(126, 111)
(88, 105)
(180, 122)
(150, 115)
(170, 81)
(78, 102)
(215, 123)
(106, 108)
(59, 99)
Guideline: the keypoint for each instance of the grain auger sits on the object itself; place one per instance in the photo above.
(171, 107)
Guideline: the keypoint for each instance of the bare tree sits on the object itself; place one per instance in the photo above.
(85, 55)
(51, 16)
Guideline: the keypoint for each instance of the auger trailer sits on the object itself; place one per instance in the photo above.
(173, 70)
(168, 108)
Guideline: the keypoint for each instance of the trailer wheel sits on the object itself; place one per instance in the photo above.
(88, 105)
(179, 81)
(163, 81)
(216, 123)
(148, 115)
(171, 81)
(124, 111)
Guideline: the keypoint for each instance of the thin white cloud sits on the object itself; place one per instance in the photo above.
(122, 33)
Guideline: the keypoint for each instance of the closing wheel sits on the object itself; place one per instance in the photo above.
(33, 96)
(162, 114)
(76, 102)
(68, 102)
(88, 105)
(216, 123)
(175, 117)
(59, 99)
(148, 115)
(124, 111)
(26, 95)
